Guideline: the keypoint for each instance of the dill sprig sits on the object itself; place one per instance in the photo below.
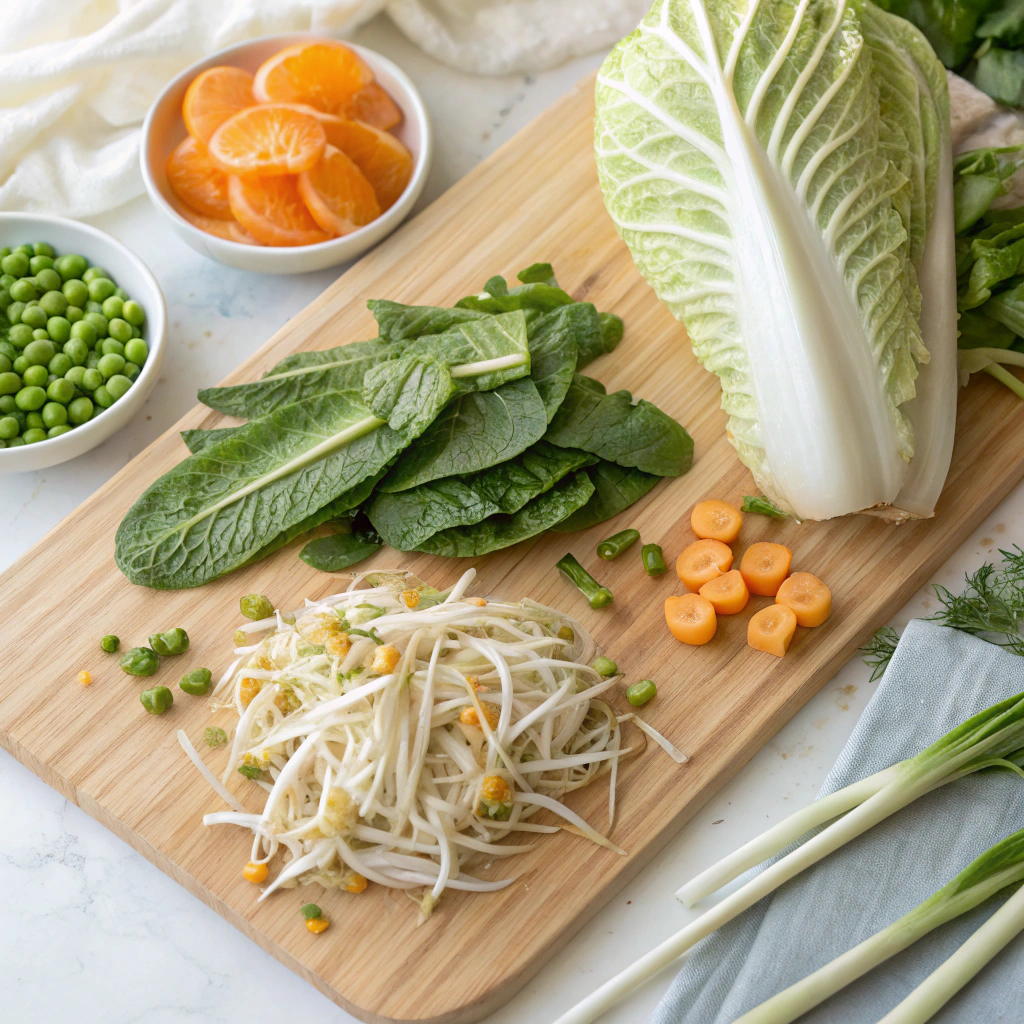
(878, 651)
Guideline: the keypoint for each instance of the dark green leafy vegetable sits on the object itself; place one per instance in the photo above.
(653, 559)
(501, 531)
(613, 546)
(615, 489)
(611, 334)
(612, 426)
(397, 322)
(1000, 73)
(878, 651)
(556, 338)
(762, 507)
(599, 596)
(197, 440)
(340, 550)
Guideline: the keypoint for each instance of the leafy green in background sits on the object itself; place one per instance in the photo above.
(355, 540)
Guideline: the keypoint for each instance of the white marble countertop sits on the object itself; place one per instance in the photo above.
(89, 930)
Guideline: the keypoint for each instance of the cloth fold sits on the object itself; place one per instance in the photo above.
(938, 678)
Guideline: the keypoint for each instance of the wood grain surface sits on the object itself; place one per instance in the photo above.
(536, 199)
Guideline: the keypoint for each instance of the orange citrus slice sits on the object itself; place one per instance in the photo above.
(228, 228)
(214, 96)
(337, 194)
(268, 140)
(197, 181)
(385, 162)
(272, 211)
(373, 106)
(324, 74)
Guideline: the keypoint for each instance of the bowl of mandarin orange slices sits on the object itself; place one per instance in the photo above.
(287, 154)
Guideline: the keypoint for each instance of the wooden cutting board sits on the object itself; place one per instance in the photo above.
(536, 199)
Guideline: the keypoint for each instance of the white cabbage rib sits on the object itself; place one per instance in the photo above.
(773, 167)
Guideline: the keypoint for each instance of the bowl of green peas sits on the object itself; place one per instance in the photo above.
(82, 337)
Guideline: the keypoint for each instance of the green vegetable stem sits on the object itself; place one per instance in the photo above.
(653, 559)
(598, 595)
(762, 507)
(614, 545)
(157, 700)
(140, 661)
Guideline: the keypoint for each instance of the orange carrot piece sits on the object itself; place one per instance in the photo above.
(691, 618)
(728, 592)
(702, 561)
(765, 566)
(716, 520)
(809, 598)
(771, 629)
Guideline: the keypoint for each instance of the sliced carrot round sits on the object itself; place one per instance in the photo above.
(324, 74)
(197, 181)
(227, 228)
(268, 140)
(337, 195)
(716, 520)
(703, 561)
(808, 597)
(691, 618)
(385, 162)
(771, 629)
(372, 105)
(213, 96)
(272, 211)
(765, 566)
(728, 592)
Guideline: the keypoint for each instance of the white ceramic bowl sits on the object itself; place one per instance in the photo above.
(164, 129)
(131, 274)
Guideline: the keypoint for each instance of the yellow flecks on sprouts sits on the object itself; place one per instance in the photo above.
(469, 716)
(318, 925)
(478, 601)
(355, 883)
(85, 678)
(340, 814)
(255, 873)
(475, 683)
(410, 598)
(385, 659)
(248, 689)
(319, 628)
(338, 646)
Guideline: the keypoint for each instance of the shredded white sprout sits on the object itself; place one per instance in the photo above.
(400, 734)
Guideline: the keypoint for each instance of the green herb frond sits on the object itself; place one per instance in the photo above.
(878, 651)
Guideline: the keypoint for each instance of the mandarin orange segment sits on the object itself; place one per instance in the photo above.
(324, 74)
(385, 162)
(268, 140)
(197, 181)
(228, 228)
(372, 105)
(272, 211)
(213, 96)
(337, 195)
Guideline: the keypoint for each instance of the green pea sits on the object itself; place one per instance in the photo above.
(121, 294)
(61, 390)
(73, 314)
(92, 273)
(8, 407)
(23, 290)
(256, 606)
(61, 428)
(5, 363)
(34, 317)
(102, 397)
(640, 693)
(15, 442)
(92, 379)
(5, 251)
(16, 263)
(118, 386)
(75, 375)
(157, 700)
(48, 281)
(80, 410)
(136, 333)
(85, 331)
(59, 364)
(196, 682)
(19, 335)
(6, 280)
(33, 421)
(94, 360)
(10, 383)
(101, 288)
(20, 365)
(112, 307)
(34, 435)
(76, 292)
(136, 351)
(604, 666)
(133, 313)
(30, 398)
(111, 347)
(120, 330)
(7, 349)
(174, 641)
(94, 307)
(140, 661)
(35, 376)
(54, 303)
(54, 414)
(99, 321)
(77, 351)
(110, 643)
(131, 371)
(43, 249)
(39, 353)
(70, 265)
(109, 365)
(14, 311)
(215, 736)
(59, 329)
(5, 298)
(41, 334)
(38, 263)
(9, 428)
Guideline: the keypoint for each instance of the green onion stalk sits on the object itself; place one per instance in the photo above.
(993, 738)
(995, 870)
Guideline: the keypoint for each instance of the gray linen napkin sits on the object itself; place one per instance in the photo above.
(938, 678)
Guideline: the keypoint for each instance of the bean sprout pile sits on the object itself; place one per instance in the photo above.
(400, 733)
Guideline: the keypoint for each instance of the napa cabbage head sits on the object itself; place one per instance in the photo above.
(780, 173)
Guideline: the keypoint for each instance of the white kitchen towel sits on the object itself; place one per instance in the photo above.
(937, 679)
(77, 76)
